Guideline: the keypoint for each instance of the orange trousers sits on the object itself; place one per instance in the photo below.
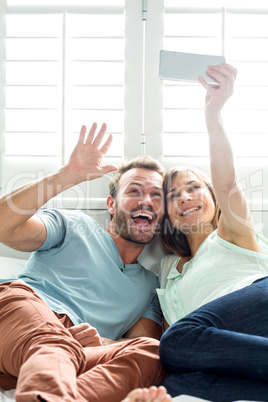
(39, 356)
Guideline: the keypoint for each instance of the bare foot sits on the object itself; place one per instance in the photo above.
(152, 394)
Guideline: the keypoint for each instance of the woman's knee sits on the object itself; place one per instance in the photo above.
(170, 344)
(175, 333)
(177, 342)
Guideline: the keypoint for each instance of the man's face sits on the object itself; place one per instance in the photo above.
(139, 205)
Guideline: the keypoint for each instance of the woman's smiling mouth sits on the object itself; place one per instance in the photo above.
(190, 210)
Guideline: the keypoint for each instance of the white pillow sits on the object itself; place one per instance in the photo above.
(11, 267)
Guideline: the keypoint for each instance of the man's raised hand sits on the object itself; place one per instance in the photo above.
(85, 162)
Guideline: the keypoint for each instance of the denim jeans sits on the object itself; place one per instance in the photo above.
(219, 352)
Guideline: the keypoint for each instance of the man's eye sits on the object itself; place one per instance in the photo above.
(158, 195)
(134, 191)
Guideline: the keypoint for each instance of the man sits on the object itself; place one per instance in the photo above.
(82, 285)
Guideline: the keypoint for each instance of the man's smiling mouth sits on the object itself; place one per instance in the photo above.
(143, 218)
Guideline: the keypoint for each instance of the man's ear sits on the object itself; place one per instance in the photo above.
(110, 202)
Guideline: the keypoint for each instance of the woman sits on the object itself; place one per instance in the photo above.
(214, 292)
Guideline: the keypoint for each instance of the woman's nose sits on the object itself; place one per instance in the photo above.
(185, 196)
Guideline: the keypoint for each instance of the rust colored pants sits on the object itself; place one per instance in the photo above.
(40, 357)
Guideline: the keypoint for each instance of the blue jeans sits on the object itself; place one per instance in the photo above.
(219, 352)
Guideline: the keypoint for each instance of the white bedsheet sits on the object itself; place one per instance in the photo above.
(7, 396)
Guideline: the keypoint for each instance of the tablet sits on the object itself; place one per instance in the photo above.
(186, 66)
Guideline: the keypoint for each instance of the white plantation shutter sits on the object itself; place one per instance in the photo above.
(33, 84)
(47, 99)
(241, 35)
(101, 3)
(183, 118)
(70, 63)
(94, 74)
(64, 68)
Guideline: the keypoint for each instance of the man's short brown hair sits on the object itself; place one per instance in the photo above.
(142, 162)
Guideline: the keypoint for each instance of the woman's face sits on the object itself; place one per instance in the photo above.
(189, 203)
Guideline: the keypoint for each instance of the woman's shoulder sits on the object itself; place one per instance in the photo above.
(169, 259)
(167, 263)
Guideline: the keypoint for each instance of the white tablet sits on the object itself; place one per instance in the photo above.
(186, 66)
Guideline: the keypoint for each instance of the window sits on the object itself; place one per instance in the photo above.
(241, 36)
(239, 32)
(57, 73)
(69, 63)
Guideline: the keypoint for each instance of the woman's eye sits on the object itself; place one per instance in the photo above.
(195, 187)
(173, 197)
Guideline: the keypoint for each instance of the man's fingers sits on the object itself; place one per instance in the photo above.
(86, 335)
(81, 138)
(109, 168)
(90, 341)
(83, 328)
(90, 136)
(106, 145)
(95, 139)
(99, 137)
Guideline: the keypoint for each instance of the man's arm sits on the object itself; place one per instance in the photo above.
(20, 228)
(144, 327)
(88, 336)
(150, 324)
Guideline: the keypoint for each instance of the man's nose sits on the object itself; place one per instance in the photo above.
(146, 199)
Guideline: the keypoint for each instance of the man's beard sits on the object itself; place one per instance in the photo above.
(131, 233)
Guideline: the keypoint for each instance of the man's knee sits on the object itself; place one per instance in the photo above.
(142, 346)
(143, 355)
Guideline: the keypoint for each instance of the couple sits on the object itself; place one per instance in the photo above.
(81, 274)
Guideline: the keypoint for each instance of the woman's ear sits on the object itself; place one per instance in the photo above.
(110, 202)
